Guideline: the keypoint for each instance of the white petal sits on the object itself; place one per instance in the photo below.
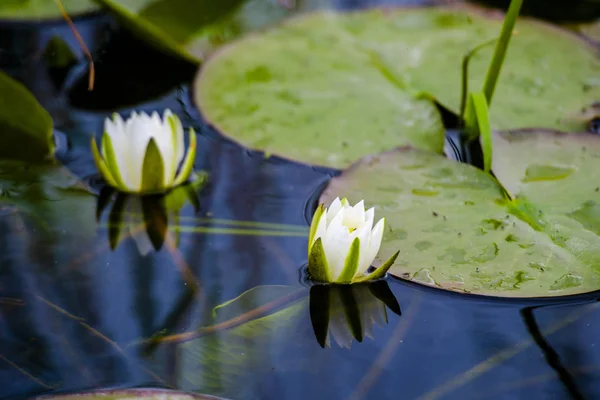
(161, 133)
(355, 216)
(370, 215)
(375, 241)
(321, 230)
(334, 208)
(178, 146)
(138, 139)
(364, 260)
(336, 244)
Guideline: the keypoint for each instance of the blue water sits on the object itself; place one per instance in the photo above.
(73, 311)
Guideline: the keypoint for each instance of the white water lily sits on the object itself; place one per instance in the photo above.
(343, 243)
(144, 154)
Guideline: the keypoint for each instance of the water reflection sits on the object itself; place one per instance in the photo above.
(147, 219)
(347, 312)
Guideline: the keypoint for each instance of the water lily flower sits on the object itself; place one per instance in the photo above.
(343, 243)
(144, 154)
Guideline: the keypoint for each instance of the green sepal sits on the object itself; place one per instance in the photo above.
(317, 262)
(381, 271)
(153, 170)
(315, 224)
(111, 161)
(104, 171)
(174, 123)
(188, 162)
(351, 263)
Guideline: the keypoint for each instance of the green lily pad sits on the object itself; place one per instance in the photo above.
(456, 229)
(328, 88)
(43, 9)
(193, 29)
(25, 126)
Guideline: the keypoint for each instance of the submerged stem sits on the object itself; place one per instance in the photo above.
(81, 42)
(500, 52)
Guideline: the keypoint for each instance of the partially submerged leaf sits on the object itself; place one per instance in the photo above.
(264, 317)
(42, 9)
(51, 196)
(25, 126)
(466, 236)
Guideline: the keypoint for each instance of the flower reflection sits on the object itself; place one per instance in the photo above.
(347, 312)
(147, 219)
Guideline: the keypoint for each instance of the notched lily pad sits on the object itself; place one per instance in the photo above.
(470, 237)
(328, 88)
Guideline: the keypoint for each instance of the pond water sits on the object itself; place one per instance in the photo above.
(77, 315)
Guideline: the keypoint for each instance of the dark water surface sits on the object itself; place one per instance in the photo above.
(74, 313)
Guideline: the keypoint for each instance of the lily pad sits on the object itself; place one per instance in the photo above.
(25, 126)
(43, 9)
(456, 229)
(328, 88)
(193, 29)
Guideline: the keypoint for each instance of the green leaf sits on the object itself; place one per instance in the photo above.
(468, 236)
(294, 94)
(153, 170)
(351, 263)
(25, 126)
(329, 88)
(43, 9)
(193, 29)
(318, 268)
(484, 129)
